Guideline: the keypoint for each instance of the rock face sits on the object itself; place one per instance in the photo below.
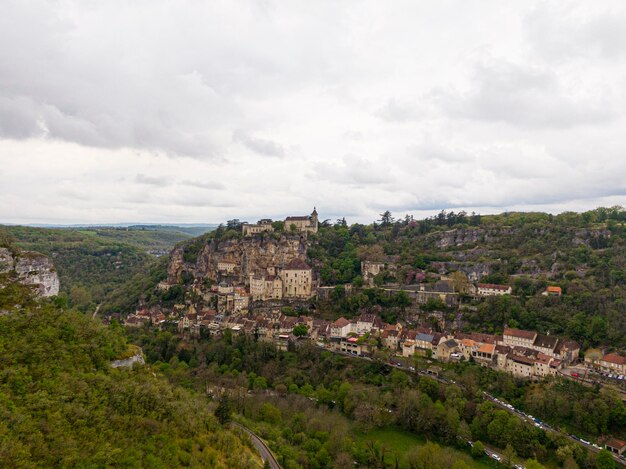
(129, 362)
(31, 268)
(249, 255)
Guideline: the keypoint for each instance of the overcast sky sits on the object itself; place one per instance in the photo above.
(202, 111)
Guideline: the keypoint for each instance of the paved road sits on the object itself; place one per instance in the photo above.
(500, 404)
(262, 448)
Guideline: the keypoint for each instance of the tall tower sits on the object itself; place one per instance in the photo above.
(314, 220)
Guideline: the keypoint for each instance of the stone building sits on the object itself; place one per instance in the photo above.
(259, 227)
(297, 277)
(304, 224)
(490, 289)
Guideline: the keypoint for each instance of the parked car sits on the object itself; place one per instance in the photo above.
(575, 375)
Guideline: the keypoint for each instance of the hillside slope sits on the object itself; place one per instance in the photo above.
(62, 405)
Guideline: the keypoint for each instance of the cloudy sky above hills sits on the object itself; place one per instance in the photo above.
(164, 111)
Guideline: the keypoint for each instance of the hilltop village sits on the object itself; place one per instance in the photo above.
(263, 284)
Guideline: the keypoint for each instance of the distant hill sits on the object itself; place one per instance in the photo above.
(95, 263)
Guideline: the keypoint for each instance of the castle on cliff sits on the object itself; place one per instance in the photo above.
(298, 224)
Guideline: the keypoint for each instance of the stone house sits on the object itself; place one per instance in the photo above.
(304, 224)
(261, 226)
(613, 363)
(340, 328)
(490, 289)
(297, 277)
(446, 348)
(518, 338)
(545, 344)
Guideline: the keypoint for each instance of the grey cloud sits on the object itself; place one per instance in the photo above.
(562, 30)
(258, 145)
(153, 180)
(354, 170)
(523, 96)
(430, 151)
(396, 111)
(204, 184)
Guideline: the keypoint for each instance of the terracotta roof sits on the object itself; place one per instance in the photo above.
(341, 322)
(615, 358)
(553, 289)
(520, 333)
(487, 348)
(614, 443)
(543, 358)
(297, 264)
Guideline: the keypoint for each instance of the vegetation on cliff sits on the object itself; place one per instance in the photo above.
(584, 254)
(312, 405)
(108, 266)
(62, 405)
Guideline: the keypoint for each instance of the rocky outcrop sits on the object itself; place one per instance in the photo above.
(249, 255)
(130, 361)
(465, 236)
(460, 237)
(31, 268)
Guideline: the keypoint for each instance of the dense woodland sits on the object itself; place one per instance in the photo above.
(108, 266)
(62, 405)
(584, 253)
(313, 405)
(315, 409)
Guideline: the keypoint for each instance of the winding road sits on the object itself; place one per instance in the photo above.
(263, 449)
(500, 404)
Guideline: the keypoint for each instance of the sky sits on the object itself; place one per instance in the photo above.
(199, 112)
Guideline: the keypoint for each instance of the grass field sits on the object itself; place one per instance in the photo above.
(398, 442)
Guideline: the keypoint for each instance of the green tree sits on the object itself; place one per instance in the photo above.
(604, 460)
(534, 464)
(386, 218)
(300, 330)
(508, 456)
(223, 410)
(478, 449)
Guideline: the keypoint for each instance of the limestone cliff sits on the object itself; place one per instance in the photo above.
(249, 255)
(31, 268)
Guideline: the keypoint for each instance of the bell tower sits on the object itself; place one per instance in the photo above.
(314, 220)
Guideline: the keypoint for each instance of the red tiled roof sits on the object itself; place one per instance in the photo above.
(341, 322)
(520, 333)
(615, 358)
(487, 348)
(614, 443)
(552, 289)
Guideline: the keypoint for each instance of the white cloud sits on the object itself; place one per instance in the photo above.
(149, 111)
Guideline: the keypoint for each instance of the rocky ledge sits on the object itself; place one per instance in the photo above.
(31, 268)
